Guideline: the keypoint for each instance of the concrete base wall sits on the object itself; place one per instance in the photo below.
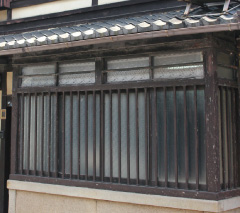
(28, 202)
(27, 197)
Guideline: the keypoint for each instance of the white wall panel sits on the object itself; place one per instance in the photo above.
(47, 8)
(3, 15)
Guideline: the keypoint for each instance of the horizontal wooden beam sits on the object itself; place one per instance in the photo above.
(25, 3)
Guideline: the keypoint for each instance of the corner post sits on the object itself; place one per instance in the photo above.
(212, 121)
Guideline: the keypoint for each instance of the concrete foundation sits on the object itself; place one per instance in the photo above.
(26, 197)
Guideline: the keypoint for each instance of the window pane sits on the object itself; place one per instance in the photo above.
(77, 73)
(38, 70)
(41, 141)
(224, 70)
(45, 76)
(77, 67)
(128, 63)
(133, 75)
(115, 74)
(175, 59)
(179, 66)
(173, 72)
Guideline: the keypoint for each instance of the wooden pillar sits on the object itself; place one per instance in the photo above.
(14, 126)
(212, 122)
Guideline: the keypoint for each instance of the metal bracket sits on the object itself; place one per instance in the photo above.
(226, 5)
(189, 5)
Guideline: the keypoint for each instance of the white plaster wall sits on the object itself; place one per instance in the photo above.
(48, 8)
(100, 2)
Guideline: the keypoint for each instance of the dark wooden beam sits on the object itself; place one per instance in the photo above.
(212, 121)
(25, 3)
(94, 2)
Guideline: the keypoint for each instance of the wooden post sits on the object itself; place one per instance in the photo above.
(212, 122)
(14, 127)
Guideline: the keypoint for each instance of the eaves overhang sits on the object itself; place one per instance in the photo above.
(146, 26)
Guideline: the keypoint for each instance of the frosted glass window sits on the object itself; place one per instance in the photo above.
(38, 70)
(174, 72)
(163, 121)
(124, 69)
(36, 76)
(76, 132)
(186, 65)
(227, 127)
(77, 67)
(227, 73)
(174, 59)
(85, 78)
(132, 75)
(39, 81)
(77, 73)
(128, 63)
(224, 70)
(113, 113)
(45, 145)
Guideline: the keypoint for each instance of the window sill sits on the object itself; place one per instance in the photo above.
(123, 197)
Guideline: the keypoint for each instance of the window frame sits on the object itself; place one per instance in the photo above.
(152, 190)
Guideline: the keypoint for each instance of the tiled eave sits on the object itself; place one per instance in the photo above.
(145, 35)
(129, 28)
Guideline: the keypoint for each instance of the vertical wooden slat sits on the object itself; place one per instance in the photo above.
(150, 136)
(94, 2)
(186, 139)
(165, 138)
(57, 122)
(102, 154)
(86, 135)
(49, 134)
(42, 141)
(196, 139)
(22, 129)
(119, 136)
(110, 132)
(94, 135)
(128, 140)
(137, 137)
(63, 136)
(79, 134)
(151, 62)
(155, 138)
(228, 139)
(234, 133)
(35, 139)
(222, 138)
(71, 133)
(175, 138)
(29, 131)
(146, 135)
(56, 137)
(14, 123)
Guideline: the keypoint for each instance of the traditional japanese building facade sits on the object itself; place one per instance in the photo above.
(116, 106)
